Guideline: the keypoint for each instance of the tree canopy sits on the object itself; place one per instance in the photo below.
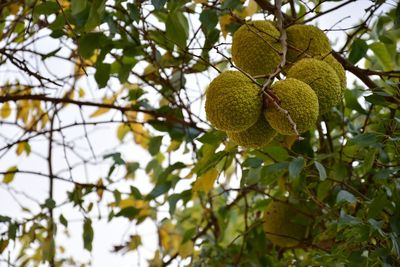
(139, 70)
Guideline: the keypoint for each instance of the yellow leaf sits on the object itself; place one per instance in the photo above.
(125, 203)
(186, 249)
(290, 140)
(44, 120)
(9, 177)
(64, 3)
(140, 134)
(81, 92)
(156, 261)
(206, 181)
(14, 8)
(135, 242)
(170, 239)
(174, 146)
(147, 117)
(224, 21)
(99, 112)
(131, 115)
(23, 110)
(100, 189)
(249, 10)
(122, 130)
(5, 110)
(31, 125)
(23, 146)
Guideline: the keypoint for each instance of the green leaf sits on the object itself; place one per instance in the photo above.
(134, 12)
(321, 170)
(102, 74)
(339, 171)
(50, 203)
(277, 153)
(365, 139)
(172, 200)
(87, 234)
(158, 4)
(177, 29)
(345, 196)
(369, 160)
(48, 248)
(154, 145)
(252, 162)
(358, 50)
(397, 20)
(96, 13)
(212, 137)
(377, 205)
(296, 166)
(131, 168)
(211, 163)
(382, 54)
(271, 173)
(135, 94)
(78, 6)
(51, 54)
(63, 221)
(351, 97)
(47, 8)
(159, 189)
(9, 177)
(376, 99)
(12, 230)
(129, 212)
(209, 20)
(230, 4)
(117, 158)
(323, 189)
(3, 245)
(89, 42)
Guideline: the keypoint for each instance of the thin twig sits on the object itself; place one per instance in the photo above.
(272, 98)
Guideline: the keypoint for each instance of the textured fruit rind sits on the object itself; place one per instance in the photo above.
(255, 47)
(341, 73)
(306, 40)
(322, 78)
(299, 100)
(258, 135)
(280, 227)
(233, 102)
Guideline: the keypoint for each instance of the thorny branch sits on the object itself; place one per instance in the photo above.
(270, 97)
(363, 75)
(55, 100)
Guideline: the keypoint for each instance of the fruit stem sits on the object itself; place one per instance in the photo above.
(268, 94)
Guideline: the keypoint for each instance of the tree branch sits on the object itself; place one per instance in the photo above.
(54, 100)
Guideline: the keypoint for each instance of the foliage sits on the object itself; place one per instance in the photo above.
(144, 58)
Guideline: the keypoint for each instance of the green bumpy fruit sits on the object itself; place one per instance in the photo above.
(306, 40)
(233, 102)
(255, 48)
(284, 225)
(322, 78)
(299, 100)
(341, 73)
(258, 135)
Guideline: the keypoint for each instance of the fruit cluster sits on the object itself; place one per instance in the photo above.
(235, 102)
(314, 83)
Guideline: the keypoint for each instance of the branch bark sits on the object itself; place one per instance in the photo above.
(55, 100)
